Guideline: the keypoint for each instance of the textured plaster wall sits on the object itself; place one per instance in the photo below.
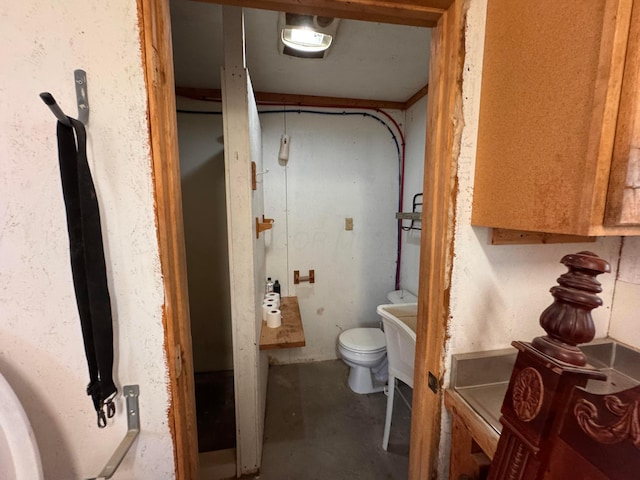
(41, 352)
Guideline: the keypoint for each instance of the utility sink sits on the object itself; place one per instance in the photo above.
(482, 378)
(407, 313)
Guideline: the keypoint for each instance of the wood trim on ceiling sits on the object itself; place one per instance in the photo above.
(214, 95)
(403, 12)
(416, 96)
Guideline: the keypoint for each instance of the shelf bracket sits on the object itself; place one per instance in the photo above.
(131, 394)
(263, 225)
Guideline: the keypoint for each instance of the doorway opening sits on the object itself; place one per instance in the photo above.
(447, 51)
(359, 161)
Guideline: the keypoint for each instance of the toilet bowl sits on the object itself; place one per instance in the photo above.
(19, 454)
(365, 351)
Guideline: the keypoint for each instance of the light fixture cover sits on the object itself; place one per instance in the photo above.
(306, 39)
(306, 36)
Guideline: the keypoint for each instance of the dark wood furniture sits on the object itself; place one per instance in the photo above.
(552, 427)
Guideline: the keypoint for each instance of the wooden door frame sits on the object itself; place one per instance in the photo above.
(444, 126)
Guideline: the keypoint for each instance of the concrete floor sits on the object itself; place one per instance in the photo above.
(317, 428)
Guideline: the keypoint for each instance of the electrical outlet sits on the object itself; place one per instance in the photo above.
(348, 223)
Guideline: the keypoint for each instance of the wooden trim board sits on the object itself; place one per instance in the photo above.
(290, 334)
(405, 12)
(291, 100)
(503, 236)
(155, 36)
(288, 99)
(444, 128)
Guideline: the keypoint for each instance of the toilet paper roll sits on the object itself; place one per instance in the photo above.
(274, 318)
(265, 308)
(275, 301)
(272, 295)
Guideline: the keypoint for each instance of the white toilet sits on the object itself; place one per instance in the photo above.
(365, 351)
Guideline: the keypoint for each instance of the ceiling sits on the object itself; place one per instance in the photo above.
(374, 61)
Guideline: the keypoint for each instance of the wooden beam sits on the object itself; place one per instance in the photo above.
(416, 96)
(424, 13)
(281, 99)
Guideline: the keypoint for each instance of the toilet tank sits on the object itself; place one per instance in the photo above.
(401, 296)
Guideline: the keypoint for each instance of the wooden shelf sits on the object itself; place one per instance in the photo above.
(290, 334)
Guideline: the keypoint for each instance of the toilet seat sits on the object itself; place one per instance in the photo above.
(363, 340)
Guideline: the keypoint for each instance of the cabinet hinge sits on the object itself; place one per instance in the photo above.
(178, 360)
(432, 381)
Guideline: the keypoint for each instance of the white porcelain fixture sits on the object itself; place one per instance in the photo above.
(19, 454)
(400, 332)
(365, 351)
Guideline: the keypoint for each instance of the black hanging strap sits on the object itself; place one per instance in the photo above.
(88, 265)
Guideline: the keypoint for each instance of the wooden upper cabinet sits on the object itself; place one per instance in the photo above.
(559, 89)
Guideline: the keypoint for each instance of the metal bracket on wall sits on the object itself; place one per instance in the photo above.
(82, 96)
(131, 393)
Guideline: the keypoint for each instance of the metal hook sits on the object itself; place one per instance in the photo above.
(82, 99)
(48, 99)
(111, 409)
(102, 418)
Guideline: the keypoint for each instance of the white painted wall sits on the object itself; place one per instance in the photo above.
(42, 354)
(415, 138)
(205, 230)
(625, 324)
(339, 167)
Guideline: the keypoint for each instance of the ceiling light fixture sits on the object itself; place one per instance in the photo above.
(306, 36)
(305, 39)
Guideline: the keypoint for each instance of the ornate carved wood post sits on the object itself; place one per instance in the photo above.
(547, 370)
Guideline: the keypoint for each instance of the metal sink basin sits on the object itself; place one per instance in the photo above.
(482, 378)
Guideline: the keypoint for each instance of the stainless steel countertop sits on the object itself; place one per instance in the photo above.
(482, 378)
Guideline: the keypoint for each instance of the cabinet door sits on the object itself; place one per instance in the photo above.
(623, 198)
(551, 83)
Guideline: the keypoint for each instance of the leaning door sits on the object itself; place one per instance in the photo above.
(243, 146)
